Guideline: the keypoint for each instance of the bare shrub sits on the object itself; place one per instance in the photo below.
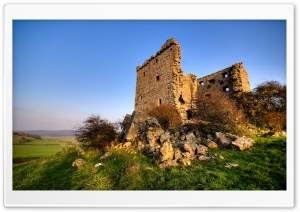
(216, 110)
(167, 115)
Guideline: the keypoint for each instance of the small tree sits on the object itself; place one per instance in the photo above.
(95, 133)
(167, 116)
(265, 106)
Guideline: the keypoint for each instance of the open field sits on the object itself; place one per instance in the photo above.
(35, 148)
(263, 167)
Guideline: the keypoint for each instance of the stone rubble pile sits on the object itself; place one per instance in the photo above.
(179, 147)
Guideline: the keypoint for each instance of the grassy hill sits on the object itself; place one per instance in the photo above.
(263, 167)
(50, 132)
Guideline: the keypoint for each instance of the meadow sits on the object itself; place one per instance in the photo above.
(263, 167)
(36, 148)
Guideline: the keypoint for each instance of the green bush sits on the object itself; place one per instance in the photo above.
(95, 133)
(265, 106)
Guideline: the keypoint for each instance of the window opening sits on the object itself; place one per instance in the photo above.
(201, 83)
(225, 74)
(212, 81)
(181, 100)
(226, 88)
(157, 78)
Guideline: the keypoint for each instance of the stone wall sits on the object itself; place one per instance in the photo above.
(231, 80)
(159, 77)
(160, 80)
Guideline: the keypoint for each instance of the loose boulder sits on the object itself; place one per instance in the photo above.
(107, 154)
(243, 143)
(203, 157)
(210, 144)
(201, 150)
(78, 162)
(168, 163)
(222, 140)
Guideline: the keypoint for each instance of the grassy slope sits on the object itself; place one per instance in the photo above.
(261, 168)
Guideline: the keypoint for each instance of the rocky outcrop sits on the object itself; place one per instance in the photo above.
(134, 126)
(153, 131)
(181, 146)
(166, 151)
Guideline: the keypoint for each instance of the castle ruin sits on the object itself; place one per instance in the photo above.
(160, 80)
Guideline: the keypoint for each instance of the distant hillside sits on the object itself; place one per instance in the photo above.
(50, 132)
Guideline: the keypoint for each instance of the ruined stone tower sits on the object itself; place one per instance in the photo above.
(160, 80)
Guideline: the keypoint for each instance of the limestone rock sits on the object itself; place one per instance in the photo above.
(188, 155)
(148, 149)
(182, 138)
(203, 157)
(78, 162)
(140, 146)
(191, 138)
(166, 151)
(165, 137)
(127, 144)
(229, 165)
(222, 140)
(210, 144)
(168, 163)
(184, 161)
(190, 147)
(135, 127)
(177, 154)
(107, 154)
(243, 143)
(153, 123)
(201, 149)
(154, 131)
(231, 136)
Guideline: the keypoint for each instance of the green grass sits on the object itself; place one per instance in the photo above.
(36, 148)
(263, 167)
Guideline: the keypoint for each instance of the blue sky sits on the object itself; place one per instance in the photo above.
(64, 71)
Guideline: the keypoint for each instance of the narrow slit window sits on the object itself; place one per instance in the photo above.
(159, 101)
(157, 78)
(144, 73)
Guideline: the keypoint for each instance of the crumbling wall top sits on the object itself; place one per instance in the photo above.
(169, 42)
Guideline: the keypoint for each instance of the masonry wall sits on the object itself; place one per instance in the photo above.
(232, 80)
(160, 80)
(158, 77)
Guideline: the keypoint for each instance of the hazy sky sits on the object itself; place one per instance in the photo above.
(64, 71)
